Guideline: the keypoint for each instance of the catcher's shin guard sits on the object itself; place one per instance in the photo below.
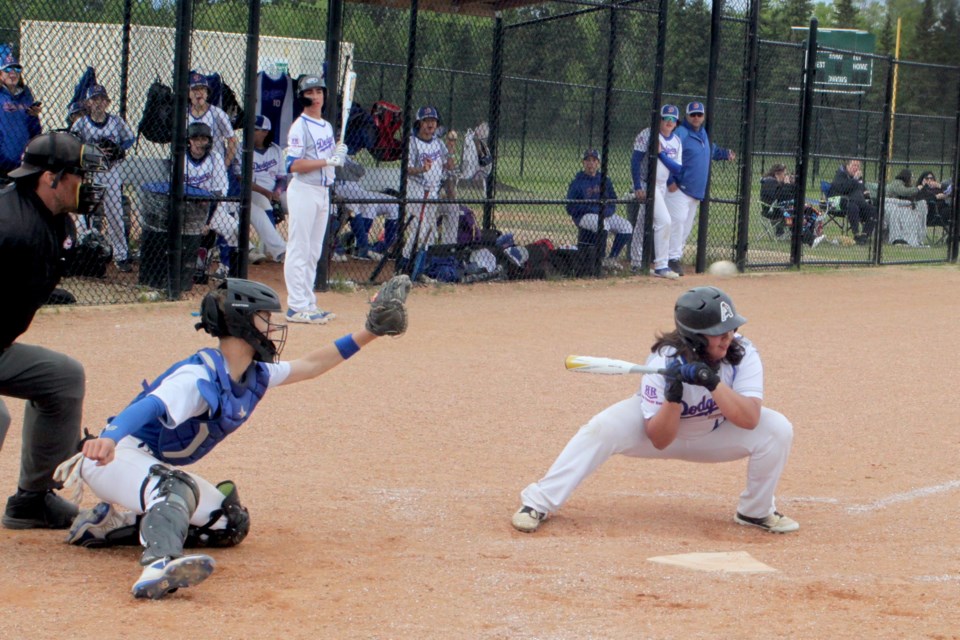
(237, 525)
(164, 526)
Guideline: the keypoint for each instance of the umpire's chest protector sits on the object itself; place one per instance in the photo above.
(230, 406)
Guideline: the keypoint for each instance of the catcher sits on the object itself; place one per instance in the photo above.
(137, 461)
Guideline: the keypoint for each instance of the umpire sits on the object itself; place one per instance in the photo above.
(35, 235)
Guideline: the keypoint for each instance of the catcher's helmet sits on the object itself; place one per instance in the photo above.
(231, 310)
(705, 311)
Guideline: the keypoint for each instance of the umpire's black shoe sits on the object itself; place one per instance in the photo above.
(38, 510)
(675, 266)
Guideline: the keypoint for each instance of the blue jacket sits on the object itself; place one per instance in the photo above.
(16, 127)
(585, 187)
(697, 152)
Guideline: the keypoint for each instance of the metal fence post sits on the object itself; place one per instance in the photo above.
(654, 133)
(496, 83)
(746, 175)
(885, 158)
(181, 82)
(332, 112)
(246, 157)
(703, 225)
(954, 231)
(803, 159)
(523, 128)
(125, 55)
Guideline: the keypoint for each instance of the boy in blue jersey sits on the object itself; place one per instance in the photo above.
(186, 412)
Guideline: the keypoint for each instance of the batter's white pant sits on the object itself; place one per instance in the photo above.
(683, 211)
(619, 429)
(309, 208)
(353, 191)
(122, 483)
(272, 241)
(617, 225)
(661, 228)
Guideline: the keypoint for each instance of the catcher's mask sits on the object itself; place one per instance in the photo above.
(60, 152)
(233, 308)
(705, 311)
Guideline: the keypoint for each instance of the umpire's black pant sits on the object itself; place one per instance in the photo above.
(53, 386)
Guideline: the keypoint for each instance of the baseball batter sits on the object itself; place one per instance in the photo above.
(114, 137)
(312, 155)
(670, 158)
(186, 412)
(429, 160)
(708, 409)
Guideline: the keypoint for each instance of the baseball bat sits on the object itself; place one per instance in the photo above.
(607, 366)
(420, 247)
(349, 84)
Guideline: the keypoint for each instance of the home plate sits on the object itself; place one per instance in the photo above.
(729, 561)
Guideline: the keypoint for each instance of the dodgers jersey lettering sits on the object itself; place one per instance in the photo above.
(311, 139)
(266, 166)
(208, 173)
(700, 413)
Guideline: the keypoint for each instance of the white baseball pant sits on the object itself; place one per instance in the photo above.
(309, 209)
(683, 211)
(122, 481)
(619, 429)
(273, 242)
(617, 225)
(661, 228)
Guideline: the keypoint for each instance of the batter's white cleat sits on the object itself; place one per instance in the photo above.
(167, 575)
(776, 522)
(91, 526)
(527, 519)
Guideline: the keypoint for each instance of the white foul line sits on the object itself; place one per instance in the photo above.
(904, 497)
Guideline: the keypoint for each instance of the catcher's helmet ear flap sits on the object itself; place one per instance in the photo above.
(705, 311)
(241, 308)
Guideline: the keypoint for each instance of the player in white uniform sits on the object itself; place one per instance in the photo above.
(224, 138)
(670, 161)
(268, 179)
(708, 408)
(311, 156)
(184, 414)
(114, 137)
(203, 169)
(429, 160)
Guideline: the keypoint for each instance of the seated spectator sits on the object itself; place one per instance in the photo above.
(586, 185)
(937, 199)
(776, 195)
(268, 182)
(19, 113)
(854, 200)
(113, 136)
(904, 221)
(204, 169)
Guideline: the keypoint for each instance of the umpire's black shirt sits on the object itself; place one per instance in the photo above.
(31, 258)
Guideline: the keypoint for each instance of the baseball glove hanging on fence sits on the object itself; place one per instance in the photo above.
(388, 315)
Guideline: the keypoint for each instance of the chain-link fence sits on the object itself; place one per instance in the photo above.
(521, 96)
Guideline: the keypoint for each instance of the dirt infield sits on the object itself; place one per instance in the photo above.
(381, 493)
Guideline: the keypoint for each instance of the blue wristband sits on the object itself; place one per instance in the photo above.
(347, 346)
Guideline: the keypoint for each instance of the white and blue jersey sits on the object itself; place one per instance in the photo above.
(267, 168)
(669, 160)
(311, 139)
(700, 414)
(436, 151)
(208, 173)
(219, 123)
(112, 129)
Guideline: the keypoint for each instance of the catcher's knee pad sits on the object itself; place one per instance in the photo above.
(164, 526)
(236, 515)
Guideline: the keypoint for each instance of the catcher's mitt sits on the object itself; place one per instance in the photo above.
(111, 151)
(388, 316)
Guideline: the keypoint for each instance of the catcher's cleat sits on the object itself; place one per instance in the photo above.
(91, 526)
(527, 519)
(167, 575)
(776, 522)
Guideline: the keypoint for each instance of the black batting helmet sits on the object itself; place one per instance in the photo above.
(230, 310)
(705, 311)
(199, 129)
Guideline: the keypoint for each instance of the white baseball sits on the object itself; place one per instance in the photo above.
(723, 269)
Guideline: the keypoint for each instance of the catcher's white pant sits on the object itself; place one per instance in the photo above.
(683, 211)
(617, 225)
(353, 191)
(122, 482)
(619, 429)
(272, 241)
(309, 209)
(661, 228)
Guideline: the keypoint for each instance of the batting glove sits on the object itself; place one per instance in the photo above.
(341, 150)
(700, 374)
(335, 161)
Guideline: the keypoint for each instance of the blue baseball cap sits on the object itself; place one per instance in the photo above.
(669, 111)
(262, 123)
(10, 63)
(591, 153)
(695, 107)
(198, 80)
(96, 90)
(428, 112)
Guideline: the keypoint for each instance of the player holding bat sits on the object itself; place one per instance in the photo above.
(705, 407)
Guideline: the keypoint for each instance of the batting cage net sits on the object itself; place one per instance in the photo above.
(481, 145)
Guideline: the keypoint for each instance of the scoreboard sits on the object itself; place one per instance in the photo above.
(846, 68)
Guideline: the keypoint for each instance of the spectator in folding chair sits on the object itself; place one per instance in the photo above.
(904, 220)
(777, 191)
(937, 199)
(586, 185)
(854, 200)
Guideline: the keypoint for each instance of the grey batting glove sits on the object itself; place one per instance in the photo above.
(341, 150)
(335, 161)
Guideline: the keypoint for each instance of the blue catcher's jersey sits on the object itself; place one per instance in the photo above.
(230, 405)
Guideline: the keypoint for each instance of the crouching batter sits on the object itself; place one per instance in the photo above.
(183, 415)
(707, 408)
